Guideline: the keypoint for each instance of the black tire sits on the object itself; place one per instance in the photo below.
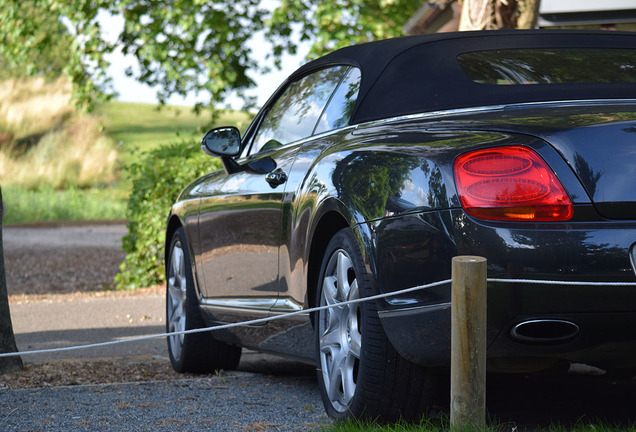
(380, 384)
(196, 352)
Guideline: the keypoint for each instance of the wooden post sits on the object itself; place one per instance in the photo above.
(468, 343)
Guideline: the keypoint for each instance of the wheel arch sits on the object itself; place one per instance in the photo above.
(329, 224)
(174, 223)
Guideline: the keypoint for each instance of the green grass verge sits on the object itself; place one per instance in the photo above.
(46, 204)
(424, 426)
(443, 425)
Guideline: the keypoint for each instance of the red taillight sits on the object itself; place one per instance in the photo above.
(510, 183)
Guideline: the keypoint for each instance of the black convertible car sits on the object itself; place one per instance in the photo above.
(370, 168)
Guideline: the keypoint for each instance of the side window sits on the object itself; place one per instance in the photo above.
(340, 107)
(295, 114)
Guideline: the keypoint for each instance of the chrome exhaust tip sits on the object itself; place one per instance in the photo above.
(545, 331)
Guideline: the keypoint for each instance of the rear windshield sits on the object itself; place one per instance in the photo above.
(550, 66)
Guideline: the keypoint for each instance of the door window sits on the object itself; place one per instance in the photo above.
(295, 114)
(340, 107)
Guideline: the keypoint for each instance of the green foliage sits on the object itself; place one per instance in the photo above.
(191, 45)
(158, 178)
(47, 204)
(45, 43)
(185, 46)
(338, 23)
(32, 32)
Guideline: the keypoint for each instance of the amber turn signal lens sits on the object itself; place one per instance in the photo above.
(510, 183)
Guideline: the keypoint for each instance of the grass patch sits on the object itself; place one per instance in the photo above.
(583, 426)
(444, 426)
(426, 425)
(47, 204)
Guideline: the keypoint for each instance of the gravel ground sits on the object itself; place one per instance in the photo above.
(52, 266)
(238, 401)
(62, 259)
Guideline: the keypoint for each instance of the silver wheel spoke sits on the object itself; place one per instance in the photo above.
(329, 290)
(344, 264)
(331, 340)
(355, 341)
(336, 378)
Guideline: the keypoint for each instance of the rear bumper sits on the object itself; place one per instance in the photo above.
(605, 340)
(598, 322)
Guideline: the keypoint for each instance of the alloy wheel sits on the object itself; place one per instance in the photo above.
(339, 331)
(176, 286)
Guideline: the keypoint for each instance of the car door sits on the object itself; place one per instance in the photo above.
(241, 218)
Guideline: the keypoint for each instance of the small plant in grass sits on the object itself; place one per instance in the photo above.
(157, 180)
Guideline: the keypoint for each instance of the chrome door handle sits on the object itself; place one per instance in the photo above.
(276, 177)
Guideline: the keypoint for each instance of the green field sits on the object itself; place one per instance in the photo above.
(147, 126)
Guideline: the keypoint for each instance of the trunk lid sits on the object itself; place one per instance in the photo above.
(603, 156)
(597, 140)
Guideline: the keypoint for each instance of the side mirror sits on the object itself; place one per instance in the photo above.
(223, 142)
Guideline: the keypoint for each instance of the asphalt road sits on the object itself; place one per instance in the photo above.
(55, 324)
(64, 320)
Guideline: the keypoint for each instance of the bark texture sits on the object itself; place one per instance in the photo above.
(498, 14)
(7, 339)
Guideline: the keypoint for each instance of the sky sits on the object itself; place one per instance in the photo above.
(130, 90)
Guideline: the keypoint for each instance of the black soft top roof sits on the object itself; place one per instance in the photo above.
(417, 74)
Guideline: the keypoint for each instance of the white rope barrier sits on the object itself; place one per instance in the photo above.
(227, 326)
(304, 311)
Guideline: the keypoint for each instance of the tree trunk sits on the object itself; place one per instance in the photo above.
(528, 14)
(7, 339)
(477, 15)
(499, 14)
